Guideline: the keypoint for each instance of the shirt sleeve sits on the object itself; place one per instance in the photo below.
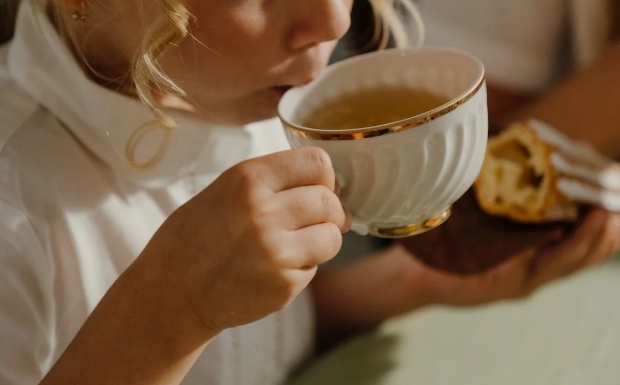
(26, 301)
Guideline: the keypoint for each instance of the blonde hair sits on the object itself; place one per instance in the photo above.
(170, 28)
(389, 23)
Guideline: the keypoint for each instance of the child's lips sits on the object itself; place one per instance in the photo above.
(282, 89)
(286, 87)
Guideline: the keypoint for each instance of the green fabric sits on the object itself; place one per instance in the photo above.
(568, 333)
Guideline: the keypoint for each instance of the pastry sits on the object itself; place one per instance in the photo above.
(532, 174)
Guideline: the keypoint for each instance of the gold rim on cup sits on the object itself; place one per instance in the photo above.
(412, 229)
(371, 132)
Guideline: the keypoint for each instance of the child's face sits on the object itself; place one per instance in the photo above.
(246, 52)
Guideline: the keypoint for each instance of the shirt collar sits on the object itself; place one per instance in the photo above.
(104, 121)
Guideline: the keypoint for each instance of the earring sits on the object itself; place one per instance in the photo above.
(79, 15)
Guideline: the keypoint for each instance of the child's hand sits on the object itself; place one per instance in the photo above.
(248, 244)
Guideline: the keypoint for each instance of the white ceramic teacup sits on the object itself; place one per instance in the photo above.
(401, 178)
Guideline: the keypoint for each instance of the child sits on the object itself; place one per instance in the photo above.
(154, 226)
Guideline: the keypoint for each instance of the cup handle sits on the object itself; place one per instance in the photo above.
(358, 225)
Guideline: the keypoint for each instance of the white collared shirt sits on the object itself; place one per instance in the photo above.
(74, 213)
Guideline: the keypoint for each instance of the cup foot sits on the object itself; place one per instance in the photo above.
(412, 229)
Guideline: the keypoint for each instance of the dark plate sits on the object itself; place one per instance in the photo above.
(471, 241)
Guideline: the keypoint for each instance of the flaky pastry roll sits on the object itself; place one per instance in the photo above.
(532, 173)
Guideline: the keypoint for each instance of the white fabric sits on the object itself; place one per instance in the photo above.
(524, 44)
(74, 214)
